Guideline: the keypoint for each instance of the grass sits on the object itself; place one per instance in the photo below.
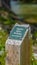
(29, 12)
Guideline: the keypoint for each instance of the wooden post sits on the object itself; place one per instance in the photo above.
(18, 46)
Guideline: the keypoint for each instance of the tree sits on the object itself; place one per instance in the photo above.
(6, 2)
(0, 3)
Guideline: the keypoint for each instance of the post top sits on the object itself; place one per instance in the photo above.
(17, 34)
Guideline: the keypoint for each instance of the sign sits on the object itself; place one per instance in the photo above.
(17, 33)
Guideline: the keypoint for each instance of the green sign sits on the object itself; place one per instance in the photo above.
(17, 33)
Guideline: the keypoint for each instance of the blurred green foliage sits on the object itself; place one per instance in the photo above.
(33, 61)
(3, 37)
(35, 38)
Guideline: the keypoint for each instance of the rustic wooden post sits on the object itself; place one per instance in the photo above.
(18, 46)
